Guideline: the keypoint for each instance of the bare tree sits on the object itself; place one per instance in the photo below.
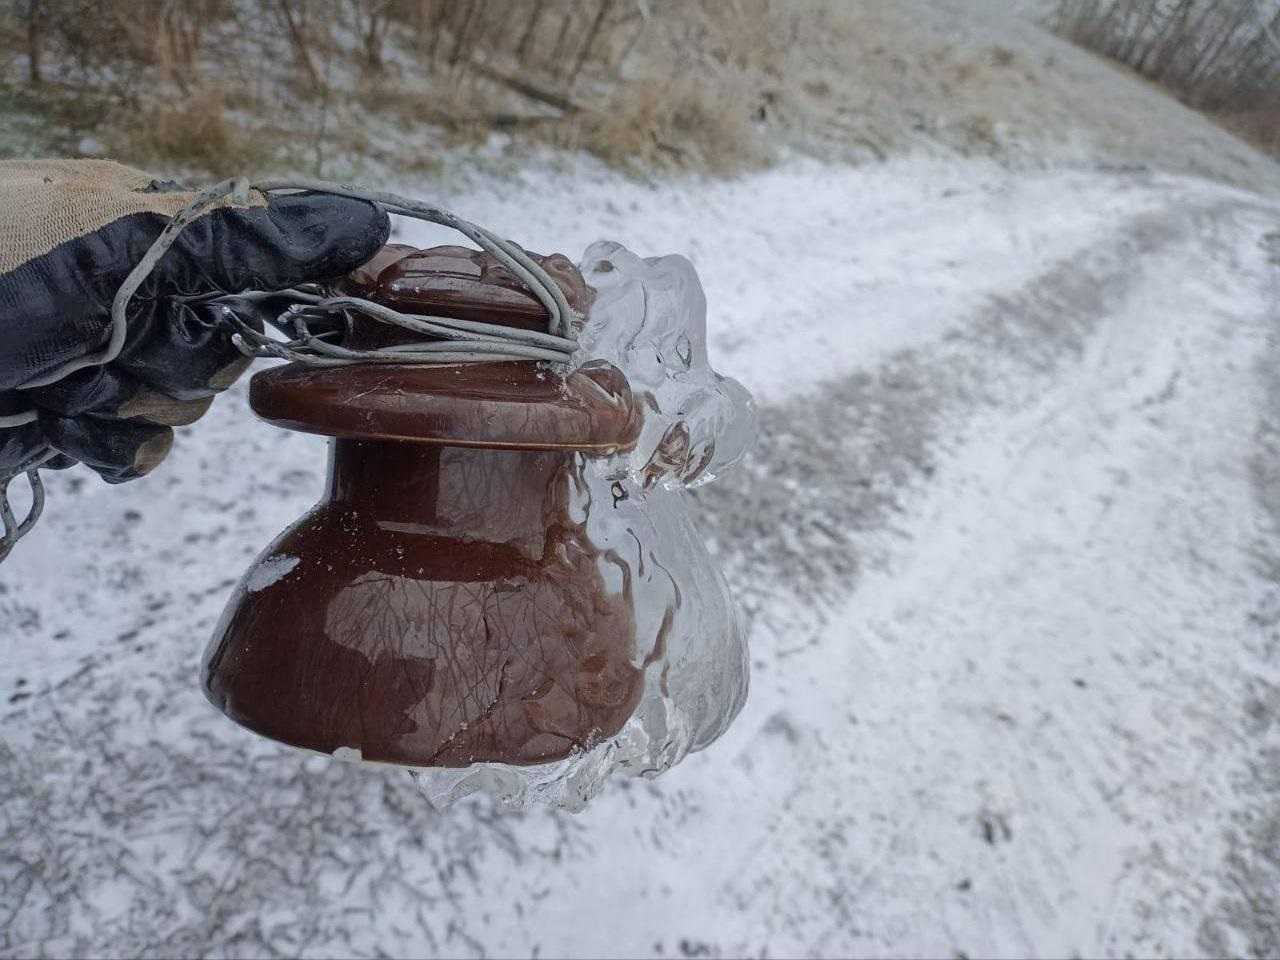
(584, 53)
(293, 15)
(372, 23)
(1214, 53)
(531, 27)
(35, 41)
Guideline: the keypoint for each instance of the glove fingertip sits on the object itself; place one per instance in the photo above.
(58, 462)
(117, 450)
(329, 236)
(149, 455)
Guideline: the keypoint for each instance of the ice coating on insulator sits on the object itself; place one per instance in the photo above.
(649, 320)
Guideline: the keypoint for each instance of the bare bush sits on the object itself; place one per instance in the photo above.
(651, 124)
(190, 131)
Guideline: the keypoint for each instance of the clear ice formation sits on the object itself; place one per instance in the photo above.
(649, 320)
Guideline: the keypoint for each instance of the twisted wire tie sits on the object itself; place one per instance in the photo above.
(456, 341)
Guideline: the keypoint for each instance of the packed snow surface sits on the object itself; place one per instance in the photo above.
(1008, 553)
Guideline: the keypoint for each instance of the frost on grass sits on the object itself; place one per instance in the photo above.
(124, 832)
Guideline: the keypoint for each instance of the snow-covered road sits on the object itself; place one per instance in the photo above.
(1009, 551)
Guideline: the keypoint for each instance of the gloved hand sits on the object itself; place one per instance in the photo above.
(70, 232)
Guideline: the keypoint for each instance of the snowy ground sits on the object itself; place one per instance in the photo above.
(1009, 548)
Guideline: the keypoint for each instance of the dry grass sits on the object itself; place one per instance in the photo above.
(677, 123)
(194, 131)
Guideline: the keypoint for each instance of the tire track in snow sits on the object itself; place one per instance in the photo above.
(904, 417)
(840, 462)
(1246, 919)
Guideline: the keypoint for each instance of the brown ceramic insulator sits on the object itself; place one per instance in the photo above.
(443, 604)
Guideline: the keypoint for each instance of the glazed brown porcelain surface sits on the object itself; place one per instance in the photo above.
(443, 604)
(439, 607)
(512, 404)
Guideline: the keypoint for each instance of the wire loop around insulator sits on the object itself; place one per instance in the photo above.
(445, 340)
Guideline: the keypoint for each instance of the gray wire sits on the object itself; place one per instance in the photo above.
(446, 327)
(235, 189)
(18, 419)
(547, 291)
(519, 262)
(456, 341)
(12, 531)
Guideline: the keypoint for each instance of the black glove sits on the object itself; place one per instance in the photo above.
(70, 232)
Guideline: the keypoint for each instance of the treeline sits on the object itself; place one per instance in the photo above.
(638, 82)
(545, 45)
(1217, 54)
